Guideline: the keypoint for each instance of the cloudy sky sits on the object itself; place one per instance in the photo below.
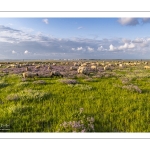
(74, 38)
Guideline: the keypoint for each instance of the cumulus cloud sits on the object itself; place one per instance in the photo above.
(133, 21)
(100, 48)
(45, 21)
(128, 21)
(79, 48)
(112, 48)
(138, 40)
(90, 49)
(126, 46)
(26, 52)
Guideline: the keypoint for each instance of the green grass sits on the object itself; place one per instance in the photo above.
(33, 106)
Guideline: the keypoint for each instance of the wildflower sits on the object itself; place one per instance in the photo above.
(92, 119)
(84, 130)
(65, 124)
(81, 110)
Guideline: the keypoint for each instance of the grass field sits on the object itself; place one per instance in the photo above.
(117, 101)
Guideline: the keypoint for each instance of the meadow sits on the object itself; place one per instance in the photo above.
(113, 100)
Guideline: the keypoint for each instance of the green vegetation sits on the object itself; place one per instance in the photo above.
(114, 103)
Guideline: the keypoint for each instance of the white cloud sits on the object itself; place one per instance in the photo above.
(131, 45)
(100, 48)
(138, 40)
(90, 49)
(13, 52)
(26, 52)
(126, 46)
(122, 47)
(45, 21)
(79, 48)
(128, 21)
(112, 48)
(73, 49)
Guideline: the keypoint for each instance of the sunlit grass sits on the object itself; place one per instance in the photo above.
(41, 105)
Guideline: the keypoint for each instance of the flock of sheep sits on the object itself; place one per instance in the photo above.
(61, 68)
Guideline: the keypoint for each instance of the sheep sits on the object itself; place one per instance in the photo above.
(73, 68)
(55, 73)
(76, 64)
(94, 67)
(145, 63)
(107, 67)
(29, 75)
(28, 69)
(82, 70)
(84, 64)
(37, 67)
(146, 67)
(49, 68)
(120, 65)
(103, 64)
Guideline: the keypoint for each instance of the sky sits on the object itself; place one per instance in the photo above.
(74, 38)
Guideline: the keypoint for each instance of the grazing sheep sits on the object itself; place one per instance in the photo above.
(73, 68)
(37, 67)
(82, 70)
(76, 64)
(28, 69)
(107, 67)
(49, 68)
(120, 65)
(84, 65)
(29, 75)
(103, 64)
(146, 67)
(94, 67)
(55, 73)
(145, 63)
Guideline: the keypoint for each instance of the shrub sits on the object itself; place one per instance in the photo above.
(132, 88)
(13, 97)
(68, 81)
(79, 122)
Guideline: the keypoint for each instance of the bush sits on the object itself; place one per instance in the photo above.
(68, 81)
(79, 122)
(132, 88)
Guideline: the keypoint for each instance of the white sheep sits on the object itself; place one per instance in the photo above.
(73, 68)
(55, 73)
(146, 67)
(29, 75)
(28, 69)
(82, 70)
(120, 65)
(107, 67)
(37, 67)
(94, 67)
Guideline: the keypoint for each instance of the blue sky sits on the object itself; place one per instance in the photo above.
(74, 38)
